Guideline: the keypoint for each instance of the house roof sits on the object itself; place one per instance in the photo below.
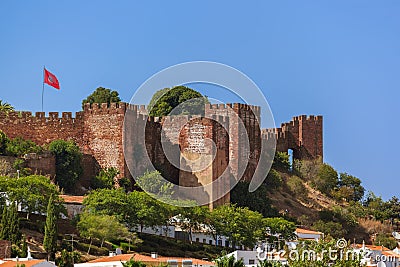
(73, 199)
(28, 263)
(148, 259)
(372, 247)
(305, 231)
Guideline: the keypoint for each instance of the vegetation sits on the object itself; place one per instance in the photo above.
(304, 259)
(18, 147)
(102, 227)
(133, 263)
(385, 240)
(105, 178)
(68, 163)
(102, 95)
(177, 100)
(153, 183)
(31, 193)
(256, 201)
(10, 224)
(50, 229)
(5, 107)
(229, 262)
(240, 225)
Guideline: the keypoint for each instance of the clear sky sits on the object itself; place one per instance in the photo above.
(340, 59)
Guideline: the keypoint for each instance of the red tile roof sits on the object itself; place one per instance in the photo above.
(305, 231)
(148, 259)
(73, 199)
(29, 263)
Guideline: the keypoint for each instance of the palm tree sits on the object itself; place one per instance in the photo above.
(229, 262)
(5, 107)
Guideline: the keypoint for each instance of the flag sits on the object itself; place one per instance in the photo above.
(51, 79)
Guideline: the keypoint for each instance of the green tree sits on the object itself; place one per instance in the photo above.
(112, 202)
(102, 95)
(320, 258)
(18, 147)
(102, 227)
(192, 219)
(67, 258)
(229, 262)
(273, 180)
(3, 142)
(334, 229)
(10, 224)
(240, 225)
(5, 227)
(5, 107)
(178, 100)
(280, 226)
(385, 240)
(256, 201)
(68, 163)
(50, 229)
(352, 183)
(153, 183)
(296, 185)
(281, 161)
(133, 263)
(105, 178)
(326, 180)
(31, 193)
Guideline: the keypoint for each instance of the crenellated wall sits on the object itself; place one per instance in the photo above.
(304, 135)
(98, 131)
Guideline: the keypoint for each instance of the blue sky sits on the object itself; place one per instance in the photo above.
(340, 59)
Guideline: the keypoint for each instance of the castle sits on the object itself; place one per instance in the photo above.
(99, 132)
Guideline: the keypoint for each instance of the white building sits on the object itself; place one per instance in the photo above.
(154, 260)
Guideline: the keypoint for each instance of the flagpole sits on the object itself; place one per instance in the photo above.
(43, 86)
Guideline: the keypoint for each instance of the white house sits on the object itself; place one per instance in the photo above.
(154, 260)
(251, 258)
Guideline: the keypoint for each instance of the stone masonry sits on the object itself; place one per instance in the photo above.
(98, 131)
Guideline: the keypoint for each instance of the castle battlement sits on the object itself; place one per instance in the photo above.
(17, 117)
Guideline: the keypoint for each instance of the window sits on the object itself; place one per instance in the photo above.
(197, 239)
(210, 242)
(220, 242)
(251, 261)
(204, 241)
(226, 243)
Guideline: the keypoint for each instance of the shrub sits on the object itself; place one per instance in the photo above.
(274, 180)
(18, 147)
(68, 163)
(333, 229)
(385, 240)
(297, 187)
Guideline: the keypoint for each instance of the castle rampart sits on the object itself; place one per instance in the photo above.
(98, 131)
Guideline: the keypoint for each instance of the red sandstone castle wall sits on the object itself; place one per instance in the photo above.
(244, 134)
(204, 147)
(304, 135)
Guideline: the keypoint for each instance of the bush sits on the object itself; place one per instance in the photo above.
(326, 180)
(68, 163)
(281, 161)
(385, 240)
(18, 147)
(333, 229)
(274, 180)
(297, 187)
(105, 179)
(3, 142)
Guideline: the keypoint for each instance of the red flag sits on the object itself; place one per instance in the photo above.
(51, 79)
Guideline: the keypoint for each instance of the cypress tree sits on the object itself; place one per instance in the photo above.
(13, 221)
(50, 229)
(10, 224)
(5, 229)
